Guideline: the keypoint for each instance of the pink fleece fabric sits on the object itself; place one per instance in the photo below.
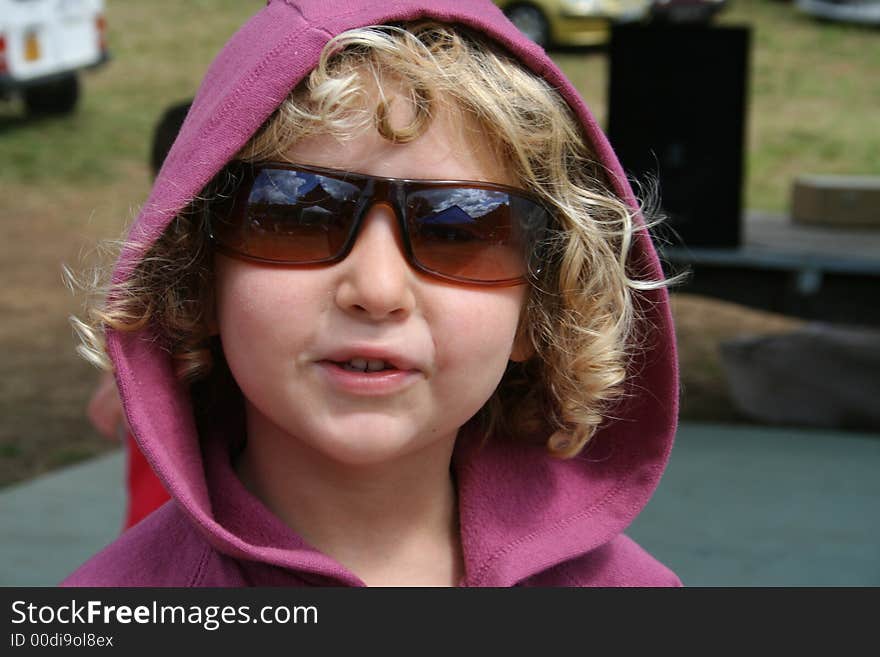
(525, 517)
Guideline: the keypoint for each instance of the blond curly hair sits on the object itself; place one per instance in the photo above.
(580, 316)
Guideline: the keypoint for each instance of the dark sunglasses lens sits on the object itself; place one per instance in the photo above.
(472, 234)
(290, 216)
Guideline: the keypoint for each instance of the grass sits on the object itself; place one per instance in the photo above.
(71, 181)
(160, 50)
(815, 93)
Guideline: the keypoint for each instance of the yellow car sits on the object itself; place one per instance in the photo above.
(572, 22)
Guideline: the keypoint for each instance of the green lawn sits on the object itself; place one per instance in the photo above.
(815, 99)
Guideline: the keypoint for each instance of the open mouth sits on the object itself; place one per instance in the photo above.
(365, 365)
(368, 376)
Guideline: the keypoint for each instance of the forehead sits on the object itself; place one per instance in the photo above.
(452, 146)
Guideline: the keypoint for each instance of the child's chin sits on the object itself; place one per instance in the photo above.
(367, 448)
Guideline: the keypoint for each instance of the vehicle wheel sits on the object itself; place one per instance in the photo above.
(530, 21)
(56, 97)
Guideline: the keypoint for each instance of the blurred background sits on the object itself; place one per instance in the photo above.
(758, 119)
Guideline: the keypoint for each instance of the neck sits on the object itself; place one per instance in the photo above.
(391, 523)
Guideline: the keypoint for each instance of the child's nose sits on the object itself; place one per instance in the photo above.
(376, 277)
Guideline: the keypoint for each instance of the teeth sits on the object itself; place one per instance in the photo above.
(365, 365)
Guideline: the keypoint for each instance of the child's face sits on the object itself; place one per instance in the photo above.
(284, 328)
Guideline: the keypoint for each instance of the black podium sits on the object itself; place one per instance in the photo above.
(677, 112)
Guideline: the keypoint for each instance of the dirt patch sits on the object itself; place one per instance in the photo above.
(44, 384)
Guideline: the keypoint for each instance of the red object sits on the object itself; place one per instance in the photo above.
(145, 491)
(3, 67)
(101, 25)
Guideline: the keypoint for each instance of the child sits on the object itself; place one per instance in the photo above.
(390, 317)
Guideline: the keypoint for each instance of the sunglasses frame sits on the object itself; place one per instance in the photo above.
(376, 190)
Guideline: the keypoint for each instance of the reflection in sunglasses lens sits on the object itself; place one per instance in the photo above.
(298, 216)
(465, 232)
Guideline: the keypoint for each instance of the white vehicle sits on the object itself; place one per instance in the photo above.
(43, 46)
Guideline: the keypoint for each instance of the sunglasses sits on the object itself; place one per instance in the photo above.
(469, 232)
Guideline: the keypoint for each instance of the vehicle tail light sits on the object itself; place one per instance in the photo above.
(4, 68)
(101, 26)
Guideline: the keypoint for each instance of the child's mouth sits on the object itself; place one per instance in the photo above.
(365, 365)
(367, 376)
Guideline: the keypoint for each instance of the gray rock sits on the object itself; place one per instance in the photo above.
(819, 376)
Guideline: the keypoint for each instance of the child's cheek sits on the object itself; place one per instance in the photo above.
(264, 307)
(479, 328)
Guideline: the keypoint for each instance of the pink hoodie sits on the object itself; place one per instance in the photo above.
(525, 518)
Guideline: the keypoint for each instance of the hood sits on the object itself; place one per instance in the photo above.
(520, 510)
